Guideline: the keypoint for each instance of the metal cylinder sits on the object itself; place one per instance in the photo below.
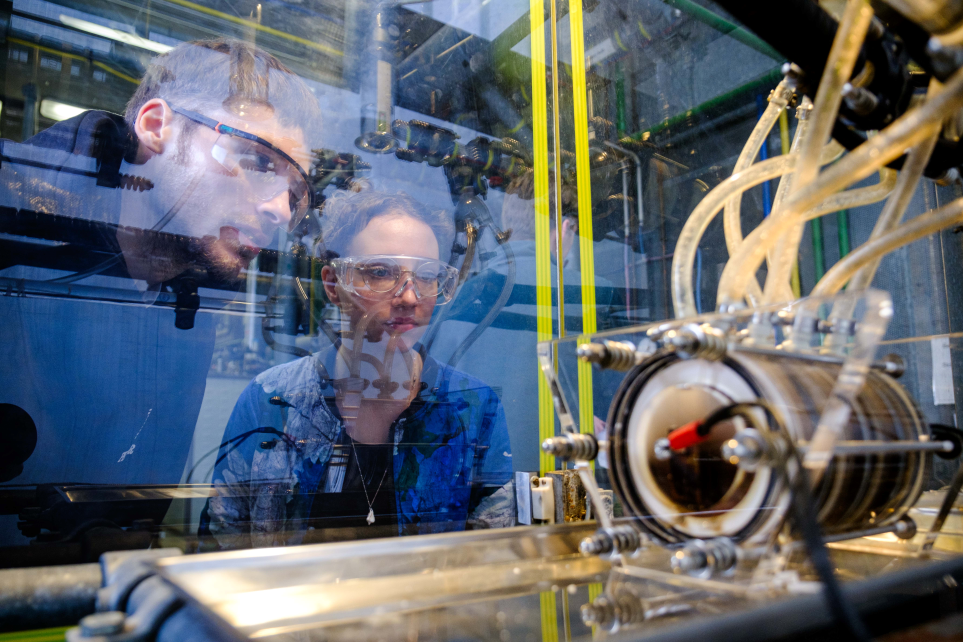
(698, 492)
(32, 598)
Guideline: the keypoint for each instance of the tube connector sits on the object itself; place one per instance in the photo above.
(572, 446)
(611, 355)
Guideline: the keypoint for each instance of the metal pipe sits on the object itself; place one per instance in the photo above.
(640, 209)
(31, 598)
(883, 447)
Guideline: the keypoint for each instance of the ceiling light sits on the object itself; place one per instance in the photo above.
(114, 34)
(58, 111)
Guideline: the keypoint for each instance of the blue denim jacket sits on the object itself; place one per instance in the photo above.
(453, 438)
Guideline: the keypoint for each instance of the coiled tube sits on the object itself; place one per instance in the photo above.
(135, 183)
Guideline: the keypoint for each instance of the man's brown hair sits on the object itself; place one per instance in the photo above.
(228, 74)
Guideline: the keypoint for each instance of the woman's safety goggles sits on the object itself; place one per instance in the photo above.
(266, 169)
(385, 276)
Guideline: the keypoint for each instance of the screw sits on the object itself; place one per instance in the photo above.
(905, 528)
(662, 449)
(744, 450)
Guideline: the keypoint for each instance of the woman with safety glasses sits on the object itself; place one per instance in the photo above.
(370, 437)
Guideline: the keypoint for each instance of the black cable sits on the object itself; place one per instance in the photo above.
(240, 439)
(803, 514)
(740, 409)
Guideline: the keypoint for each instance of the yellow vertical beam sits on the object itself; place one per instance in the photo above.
(557, 162)
(543, 255)
(585, 234)
(549, 612)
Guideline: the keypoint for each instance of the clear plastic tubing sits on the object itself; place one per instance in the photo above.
(896, 206)
(907, 131)
(785, 187)
(839, 68)
(683, 297)
(873, 250)
(732, 220)
(841, 201)
(888, 220)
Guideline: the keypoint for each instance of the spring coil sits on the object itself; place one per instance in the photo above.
(614, 612)
(697, 341)
(135, 183)
(702, 558)
(611, 355)
(572, 446)
(618, 539)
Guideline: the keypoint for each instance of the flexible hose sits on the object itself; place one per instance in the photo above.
(803, 114)
(683, 260)
(683, 298)
(778, 288)
(873, 250)
(896, 206)
(732, 219)
(907, 131)
(843, 55)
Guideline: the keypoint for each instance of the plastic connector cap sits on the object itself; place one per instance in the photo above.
(686, 435)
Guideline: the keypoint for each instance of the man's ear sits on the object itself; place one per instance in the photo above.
(330, 281)
(154, 127)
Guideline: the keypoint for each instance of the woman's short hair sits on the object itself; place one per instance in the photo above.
(346, 214)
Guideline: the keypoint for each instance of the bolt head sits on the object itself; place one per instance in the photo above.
(662, 450)
(107, 623)
(905, 528)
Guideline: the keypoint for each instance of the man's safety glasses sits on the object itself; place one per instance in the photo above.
(267, 169)
(382, 275)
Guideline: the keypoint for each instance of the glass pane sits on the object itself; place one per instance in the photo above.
(259, 282)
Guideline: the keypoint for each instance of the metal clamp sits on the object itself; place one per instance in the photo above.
(123, 571)
(159, 601)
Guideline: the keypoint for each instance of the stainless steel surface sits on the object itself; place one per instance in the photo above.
(876, 447)
(271, 591)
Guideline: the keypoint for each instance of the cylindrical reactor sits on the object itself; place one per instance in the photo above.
(697, 493)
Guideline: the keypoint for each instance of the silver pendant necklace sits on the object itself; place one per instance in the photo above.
(371, 515)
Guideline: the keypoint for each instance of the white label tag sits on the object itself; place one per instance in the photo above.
(942, 372)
